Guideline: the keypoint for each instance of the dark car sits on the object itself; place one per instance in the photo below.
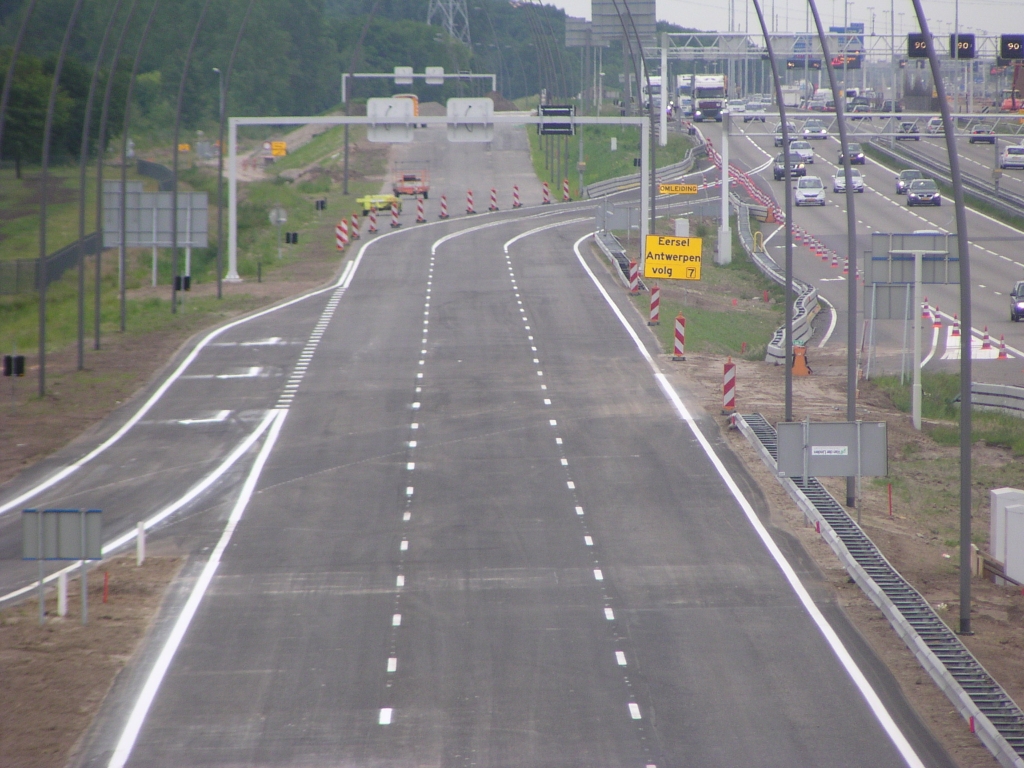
(923, 192)
(982, 134)
(892, 106)
(796, 167)
(856, 155)
(908, 132)
(904, 179)
(778, 132)
(860, 112)
(1017, 301)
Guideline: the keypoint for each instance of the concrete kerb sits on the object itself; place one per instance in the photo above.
(986, 731)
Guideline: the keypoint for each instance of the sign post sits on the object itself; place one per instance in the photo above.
(278, 217)
(62, 534)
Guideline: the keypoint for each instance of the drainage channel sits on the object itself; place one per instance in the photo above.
(963, 679)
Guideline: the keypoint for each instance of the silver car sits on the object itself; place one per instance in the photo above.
(803, 150)
(815, 129)
(856, 181)
(809, 191)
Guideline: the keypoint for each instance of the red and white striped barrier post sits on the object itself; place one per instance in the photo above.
(1002, 349)
(634, 278)
(936, 319)
(340, 239)
(679, 349)
(444, 207)
(926, 309)
(469, 201)
(494, 200)
(655, 317)
(729, 387)
(565, 191)
(846, 266)
(515, 197)
(394, 216)
(986, 343)
(355, 227)
(835, 260)
(420, 218)
(956, 326)
(547, 194)
(373, 221)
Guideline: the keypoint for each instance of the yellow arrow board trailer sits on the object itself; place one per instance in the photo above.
(672, 258)
(677, 189)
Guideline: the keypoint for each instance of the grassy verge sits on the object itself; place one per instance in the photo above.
(938, 403)
(725, 311)
(973, 201)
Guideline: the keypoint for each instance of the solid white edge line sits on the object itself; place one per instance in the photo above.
(156, 675)
(832, 322)
(852, 669)
(112, 546)
(935, 344)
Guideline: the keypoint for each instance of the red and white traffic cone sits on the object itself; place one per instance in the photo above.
(936, 319)
(926, 309)
(420, 218)
(846, 266)
(729, 387)
(494, 200)
(394, 216)
(565, 191)
(515, 197)
(823, 253)
(986, 343)
(835, 260)
(339, 238)
(798, 236)
(469, 201)
(679, 349)
(547, 194)
(355, 227)
(373, 221)
(444, 207)
(956, 326)
(655, 318)
(1002, 349)
(634, 278)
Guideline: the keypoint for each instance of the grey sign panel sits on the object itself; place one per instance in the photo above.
(891, 259)
(889, 301)
(832, 449)
(577, 32)
(62, 534)
(607, 25)
(148, 219)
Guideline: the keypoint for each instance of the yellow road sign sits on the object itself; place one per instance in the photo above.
(278, 148)
(677, 189)
(184, 147)
(673, 258)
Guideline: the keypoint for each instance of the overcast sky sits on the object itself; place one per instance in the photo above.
(979, 16)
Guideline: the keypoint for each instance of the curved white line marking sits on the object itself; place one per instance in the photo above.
(852, 669)
(163, 662)
(832, 322)
(541, 229)
(935, 344)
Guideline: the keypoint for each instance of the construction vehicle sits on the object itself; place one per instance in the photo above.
(1012, 96)
(378, 203)
(708, 97)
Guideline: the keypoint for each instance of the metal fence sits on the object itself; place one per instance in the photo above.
(22, 275)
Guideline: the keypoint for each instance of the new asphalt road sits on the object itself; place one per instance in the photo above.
(479, 523)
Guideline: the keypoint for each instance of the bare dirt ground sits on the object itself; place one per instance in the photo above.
(54, 677)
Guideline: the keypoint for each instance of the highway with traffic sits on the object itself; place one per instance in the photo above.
(997, 256)
(457, 509)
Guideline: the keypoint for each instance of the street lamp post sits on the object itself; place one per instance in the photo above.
(220, 185)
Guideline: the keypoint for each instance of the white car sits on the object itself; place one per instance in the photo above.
(737, 106)
(839, 181)
(1013, 157)
(754, 111)
(803, 150)
(935, 125)
(809, 191)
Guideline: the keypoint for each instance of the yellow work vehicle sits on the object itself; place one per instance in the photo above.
(378, 203)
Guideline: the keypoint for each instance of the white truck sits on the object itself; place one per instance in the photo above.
(708, 97)
(653, 91)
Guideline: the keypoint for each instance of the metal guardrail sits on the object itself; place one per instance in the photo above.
(1004, 398)
(623, 183)
(1007, 202)
(616, 254)
(22, 275)
(163, 174)
(805, 306)
(997, 719)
